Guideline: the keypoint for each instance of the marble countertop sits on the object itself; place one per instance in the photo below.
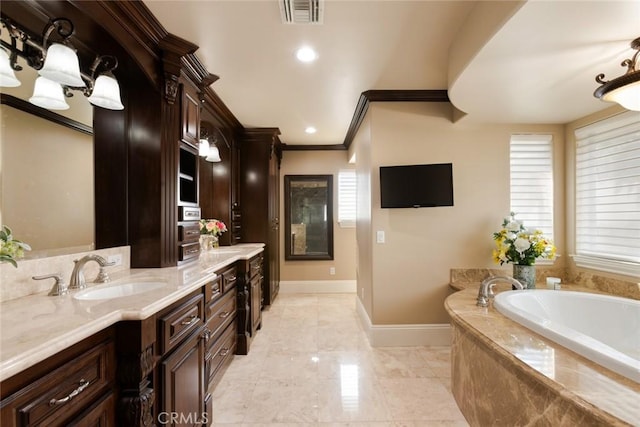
(35, 327)
(544, 361)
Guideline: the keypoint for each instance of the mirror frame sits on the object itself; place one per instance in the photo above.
(288, 181)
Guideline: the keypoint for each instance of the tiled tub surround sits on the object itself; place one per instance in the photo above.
(463, 278)
(35, 327)
(505, 374)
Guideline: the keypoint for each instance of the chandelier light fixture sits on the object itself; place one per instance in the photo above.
(625, 90)
(58, 67)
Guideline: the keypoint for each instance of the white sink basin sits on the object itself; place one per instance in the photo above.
(119, 290)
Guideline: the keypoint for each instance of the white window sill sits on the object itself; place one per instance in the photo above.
(608, 265)
(347, 224)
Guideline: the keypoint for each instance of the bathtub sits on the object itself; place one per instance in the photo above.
(602, 328)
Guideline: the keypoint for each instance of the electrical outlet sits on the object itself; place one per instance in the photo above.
(116, 259)
(332, 271)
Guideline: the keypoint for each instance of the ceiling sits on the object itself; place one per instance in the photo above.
(538, 68)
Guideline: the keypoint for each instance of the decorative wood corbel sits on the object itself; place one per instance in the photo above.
(173, 49)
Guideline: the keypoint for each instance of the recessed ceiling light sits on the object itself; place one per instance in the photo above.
(306, 54)
(310, 129)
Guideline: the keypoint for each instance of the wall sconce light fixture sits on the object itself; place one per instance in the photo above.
(625, 90)
(207, 147)
(59, 68)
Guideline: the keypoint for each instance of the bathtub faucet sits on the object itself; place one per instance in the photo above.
(486, 288)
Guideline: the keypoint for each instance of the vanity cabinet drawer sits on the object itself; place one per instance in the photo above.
(255, 266)
(221, 353)
(213, 290)
(189, 251)
(178, 323)
(188, 213)
(65, 391)
(189, 232)
(230, 277)
(220, 314)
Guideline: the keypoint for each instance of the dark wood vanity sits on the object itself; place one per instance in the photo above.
(151, 188)
(139, 372)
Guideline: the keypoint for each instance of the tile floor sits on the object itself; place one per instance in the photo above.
(311, 365)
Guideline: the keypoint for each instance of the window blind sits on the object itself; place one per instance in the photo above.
(608, 188)
(347, 197)
(531, 166)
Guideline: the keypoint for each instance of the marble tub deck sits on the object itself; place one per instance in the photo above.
(567, 386)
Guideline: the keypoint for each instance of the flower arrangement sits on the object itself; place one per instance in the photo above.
(11, 249)
(212, 227)
(518, 245)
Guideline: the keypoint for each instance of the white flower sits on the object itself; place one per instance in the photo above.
(514, 226)
(521, 244)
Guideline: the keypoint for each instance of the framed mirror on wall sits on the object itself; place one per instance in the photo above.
(308, 204)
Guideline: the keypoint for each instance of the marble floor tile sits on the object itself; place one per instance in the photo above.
(311, 365)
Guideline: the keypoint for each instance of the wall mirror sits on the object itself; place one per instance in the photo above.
(308, 217)
(46, 172)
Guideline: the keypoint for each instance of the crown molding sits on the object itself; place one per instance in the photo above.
(369, 96)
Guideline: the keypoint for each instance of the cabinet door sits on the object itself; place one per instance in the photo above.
(183, 385)
(256, 304)
(100, 414)
(190, 129)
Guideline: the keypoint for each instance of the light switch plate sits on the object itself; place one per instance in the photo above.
(380, 236)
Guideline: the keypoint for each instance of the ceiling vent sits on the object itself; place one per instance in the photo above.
(301, 11)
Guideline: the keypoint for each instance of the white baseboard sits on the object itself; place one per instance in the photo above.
(403, 335)
(317, 286)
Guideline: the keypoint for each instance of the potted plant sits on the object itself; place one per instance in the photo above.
(11, 249)
(210, 230)
(521, 246)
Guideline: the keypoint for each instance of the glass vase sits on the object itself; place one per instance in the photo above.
(525, 274)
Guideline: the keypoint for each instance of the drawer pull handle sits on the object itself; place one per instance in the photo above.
(224, 314)
(191, 321)
(231, 279)
(83, 384)
(224, 352)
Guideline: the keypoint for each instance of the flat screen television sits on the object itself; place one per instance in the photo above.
(416, 186)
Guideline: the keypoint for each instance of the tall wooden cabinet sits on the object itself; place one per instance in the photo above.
(219, 181)
(188, 177)
(261, 154)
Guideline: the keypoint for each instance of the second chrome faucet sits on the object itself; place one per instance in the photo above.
(78, 280)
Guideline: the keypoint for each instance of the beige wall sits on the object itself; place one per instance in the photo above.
(361, 147)
(410, 272)
(344, 262)
(47, 182)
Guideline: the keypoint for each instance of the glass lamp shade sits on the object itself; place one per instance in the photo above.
(203, 148)
(7, 75)
(106, 93)
(61, 65)
(628, 96)
(214, 154)
(48, 94)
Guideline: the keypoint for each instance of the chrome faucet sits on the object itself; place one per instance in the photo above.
(77, 275)
(486, 288)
